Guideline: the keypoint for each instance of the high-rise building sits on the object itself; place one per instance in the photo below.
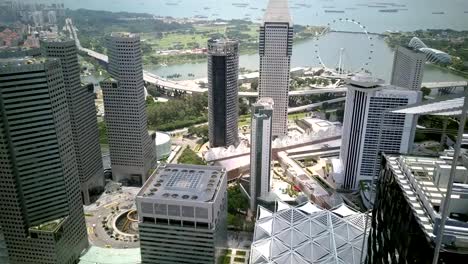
(41, 212)
(369, 130)
(182, 214)
(38, 18)
(132, 149)
(407, 212)
(408, 68)
(223, 74)
(275, 48)
(260, 150)
(52, 17)
(83, 119)
(3, 249)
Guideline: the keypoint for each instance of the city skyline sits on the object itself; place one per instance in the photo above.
(133, 138)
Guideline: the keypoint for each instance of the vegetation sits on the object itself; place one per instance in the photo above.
(179, 113)
(190, 157)
(452, 42)
(102, 133)
(199, 131)
(437, 123)
(237, 202)
(159, 35)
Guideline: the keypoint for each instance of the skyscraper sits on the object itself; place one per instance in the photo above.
(406, 214)
(408, 68)
(132, 150)
(260, 150)
(275, 48)
(223, 73)
(41, 212)
(182, 214)
(369, 130)
(83, 119)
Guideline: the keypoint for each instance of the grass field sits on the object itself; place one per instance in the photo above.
(189, 40)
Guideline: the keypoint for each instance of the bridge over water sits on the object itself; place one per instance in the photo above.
(443, 87)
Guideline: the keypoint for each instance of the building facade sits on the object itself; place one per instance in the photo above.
(223, 75)
(182, 214)
(41, 212)
(406, 213)
(83, 119)
(132, 148)
(275, 48)
(408, 68)
(369, 130)
(260, 150)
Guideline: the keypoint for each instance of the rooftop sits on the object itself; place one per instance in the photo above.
(278, 11)
(424, 181)
(98, 255)
(183, 182)
(124, 35)
(17, 62)
(448, 106)
(308, 234)
(50, 226)
(365, 80)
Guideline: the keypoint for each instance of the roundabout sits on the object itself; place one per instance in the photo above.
(112, 221)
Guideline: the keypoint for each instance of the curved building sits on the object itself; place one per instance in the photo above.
(432, 55)
(369, 130)
(163, 145)
(223, 74)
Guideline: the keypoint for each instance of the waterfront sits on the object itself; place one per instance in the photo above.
(303, 55)
(413, 14)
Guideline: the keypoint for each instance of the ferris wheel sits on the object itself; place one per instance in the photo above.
(346, 62)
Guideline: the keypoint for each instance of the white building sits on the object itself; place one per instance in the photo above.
(52, 17)
(369, 130)
(260, 150)
(408, 68)
(275, 48)
(38, 18)
(182, 214)
(309, 234)
(131, 148)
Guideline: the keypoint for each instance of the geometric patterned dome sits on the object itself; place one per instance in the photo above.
(307, 234)
(432, 55)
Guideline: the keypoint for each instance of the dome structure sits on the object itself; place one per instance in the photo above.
(163, 145)
(432, 55)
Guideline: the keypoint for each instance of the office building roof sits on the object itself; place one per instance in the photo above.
(423, 181)
(448, 106)
(183, 182)
(307, 234)
(278, 11)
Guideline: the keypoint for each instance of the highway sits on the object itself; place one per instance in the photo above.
(312, 106)
(172, 85)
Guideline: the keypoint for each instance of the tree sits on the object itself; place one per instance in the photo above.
(243, 107)
(340, 115)
(237, 200)
(425, 91)
(254, 85)
(189, 156)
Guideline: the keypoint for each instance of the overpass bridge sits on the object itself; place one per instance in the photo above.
(443, 87)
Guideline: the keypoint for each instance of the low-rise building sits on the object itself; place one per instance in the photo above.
(182, 214)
